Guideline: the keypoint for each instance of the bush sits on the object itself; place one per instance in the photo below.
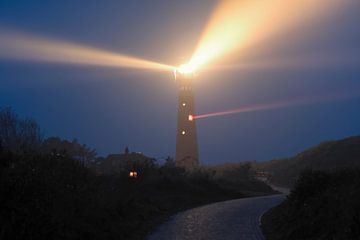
(18, 135)
(323, 205)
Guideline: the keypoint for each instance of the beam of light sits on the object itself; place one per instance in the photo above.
(235, 24)
(21, 46)
(281, 104)
(334, 59)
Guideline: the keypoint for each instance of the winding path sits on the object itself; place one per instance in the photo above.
(235, 219)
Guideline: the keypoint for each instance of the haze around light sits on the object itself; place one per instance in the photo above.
(236, 25)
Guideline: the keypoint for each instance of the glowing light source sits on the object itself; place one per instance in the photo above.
(183, 132)
(186, 69)
(183, 104)
(191, 117)
(15, 45)
(133, 174)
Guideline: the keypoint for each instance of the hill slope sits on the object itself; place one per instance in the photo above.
(326, 156)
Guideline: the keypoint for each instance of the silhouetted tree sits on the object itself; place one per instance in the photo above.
(18, 135)
(63, 148)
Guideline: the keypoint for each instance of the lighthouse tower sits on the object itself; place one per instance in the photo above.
(186, 137)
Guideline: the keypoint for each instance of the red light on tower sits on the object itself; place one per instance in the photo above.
(191, 118)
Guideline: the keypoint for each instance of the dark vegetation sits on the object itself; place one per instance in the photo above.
(327, 156)
(58, 189)
(323, 205)
(325, 200)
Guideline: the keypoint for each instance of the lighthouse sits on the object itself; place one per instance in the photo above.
(187, 155)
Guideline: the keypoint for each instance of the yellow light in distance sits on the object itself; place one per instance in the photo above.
(236, 24)
(133, 174)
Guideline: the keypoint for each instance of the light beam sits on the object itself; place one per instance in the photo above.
(21, 46)
(313, 60)
(280, 104)
(235, 24)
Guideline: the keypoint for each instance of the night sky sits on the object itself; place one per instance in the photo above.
(109, 109)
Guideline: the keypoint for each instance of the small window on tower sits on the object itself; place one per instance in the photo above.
(183, 132)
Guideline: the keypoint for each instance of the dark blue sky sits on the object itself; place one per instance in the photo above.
(109, 109)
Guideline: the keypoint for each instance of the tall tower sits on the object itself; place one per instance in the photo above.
(186, 137)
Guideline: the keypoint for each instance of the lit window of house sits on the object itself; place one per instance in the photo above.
(133, 174)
